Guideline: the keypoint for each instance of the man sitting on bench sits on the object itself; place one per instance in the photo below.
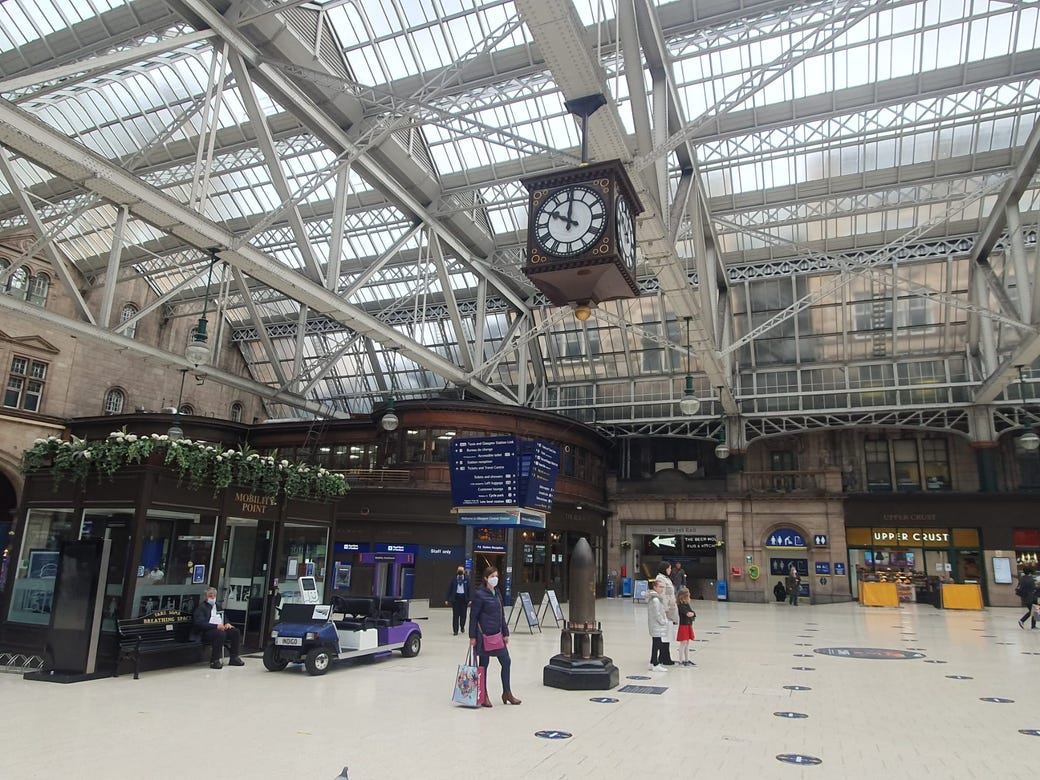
(208, 621)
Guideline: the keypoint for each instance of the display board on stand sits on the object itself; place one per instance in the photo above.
(527, 610)
(551, 604)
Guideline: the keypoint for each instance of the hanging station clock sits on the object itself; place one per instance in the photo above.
(581, 234)
(570, 221)
(626, 234)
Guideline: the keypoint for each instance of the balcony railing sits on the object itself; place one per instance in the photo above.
(376, 476)
(823, 481)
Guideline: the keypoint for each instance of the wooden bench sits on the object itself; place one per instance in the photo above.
(163, 631)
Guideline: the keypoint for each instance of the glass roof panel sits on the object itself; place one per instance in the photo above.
(855, 141)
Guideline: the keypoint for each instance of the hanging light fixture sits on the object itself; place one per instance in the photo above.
(722, 449)
(389, 421)
(1028, 441)
(198, 351)
(175, 431)
(689, 404)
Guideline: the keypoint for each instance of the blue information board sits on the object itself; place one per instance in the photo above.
(505, 473)
(785, 538)
(539, 467)
(484, 472)
(779, 567)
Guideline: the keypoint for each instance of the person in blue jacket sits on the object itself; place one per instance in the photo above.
(487, 619)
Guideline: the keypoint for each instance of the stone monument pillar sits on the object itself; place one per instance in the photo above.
(581, 665)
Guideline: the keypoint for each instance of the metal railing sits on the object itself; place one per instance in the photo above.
(376, 476)
(790, 481)
(19, 663)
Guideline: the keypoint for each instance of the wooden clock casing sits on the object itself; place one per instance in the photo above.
(564, 259)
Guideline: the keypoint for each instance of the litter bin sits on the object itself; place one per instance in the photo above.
(610, 587)
(722, 590)
(626, 587)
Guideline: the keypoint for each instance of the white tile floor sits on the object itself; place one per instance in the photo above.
(393, 718)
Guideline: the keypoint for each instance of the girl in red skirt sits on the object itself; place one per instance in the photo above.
(685, 633)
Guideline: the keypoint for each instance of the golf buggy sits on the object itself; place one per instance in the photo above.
(349, 627)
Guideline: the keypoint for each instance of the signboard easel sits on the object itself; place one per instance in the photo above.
(551, 602)
(527, 609)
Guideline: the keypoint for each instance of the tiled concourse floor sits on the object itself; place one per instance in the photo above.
(923, 717)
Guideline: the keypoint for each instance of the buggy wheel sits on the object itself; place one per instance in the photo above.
(412, 645)
(317, 660)
(273, 660)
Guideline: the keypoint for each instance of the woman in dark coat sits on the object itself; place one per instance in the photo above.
(487, 617)
(1026, 591)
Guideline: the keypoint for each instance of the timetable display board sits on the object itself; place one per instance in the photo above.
(484, 472)
(503, 472)
(539, 467)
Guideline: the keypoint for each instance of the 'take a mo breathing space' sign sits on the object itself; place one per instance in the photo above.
(503, 473)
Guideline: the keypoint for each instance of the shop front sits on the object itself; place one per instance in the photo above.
(917, 560)
(164, 546)
(699, 548)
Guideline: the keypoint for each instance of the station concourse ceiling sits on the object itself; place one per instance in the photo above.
(840, 197)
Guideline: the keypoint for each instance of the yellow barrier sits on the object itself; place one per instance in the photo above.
(878, 594)
(961, 597)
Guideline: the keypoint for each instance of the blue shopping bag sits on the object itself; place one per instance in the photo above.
(467, 683)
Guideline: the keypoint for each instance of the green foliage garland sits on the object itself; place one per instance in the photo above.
(196, 463)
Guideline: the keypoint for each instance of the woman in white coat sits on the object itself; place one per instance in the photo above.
(671, 609)
(658, 625)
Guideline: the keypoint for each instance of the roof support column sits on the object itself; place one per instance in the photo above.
(1017, 251)
(987, 338)
(112, 272)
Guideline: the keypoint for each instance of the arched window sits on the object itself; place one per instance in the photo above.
(115, 400)
(39, 289)
(18, 283)
(186, 409)
(128, 313)
(236, 412)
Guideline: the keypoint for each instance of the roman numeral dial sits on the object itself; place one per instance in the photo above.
(570, 221)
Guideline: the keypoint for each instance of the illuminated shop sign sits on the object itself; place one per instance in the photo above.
(395, 548)
(911, 536)
(351, 547)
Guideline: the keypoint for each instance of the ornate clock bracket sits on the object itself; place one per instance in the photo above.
(585, 107)
(581, 241)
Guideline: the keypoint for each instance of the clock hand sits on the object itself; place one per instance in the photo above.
(570, 222)
(570, 206)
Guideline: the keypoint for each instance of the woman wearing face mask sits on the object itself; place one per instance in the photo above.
(487, 623)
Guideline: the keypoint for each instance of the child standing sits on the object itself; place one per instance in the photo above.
(685, 633)
(659, 626)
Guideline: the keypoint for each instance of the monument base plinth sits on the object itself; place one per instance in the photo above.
(580, 674)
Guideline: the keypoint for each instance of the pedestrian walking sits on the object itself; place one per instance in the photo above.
(793, 584)
(1026, 592)
(458, 600)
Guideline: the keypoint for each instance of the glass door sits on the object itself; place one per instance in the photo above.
(244, 580)
(304, 553)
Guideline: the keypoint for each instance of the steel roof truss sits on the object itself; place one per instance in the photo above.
(58, 260)
(246, 92)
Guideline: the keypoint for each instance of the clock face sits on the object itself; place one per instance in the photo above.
(626, 234)
(570, 221)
